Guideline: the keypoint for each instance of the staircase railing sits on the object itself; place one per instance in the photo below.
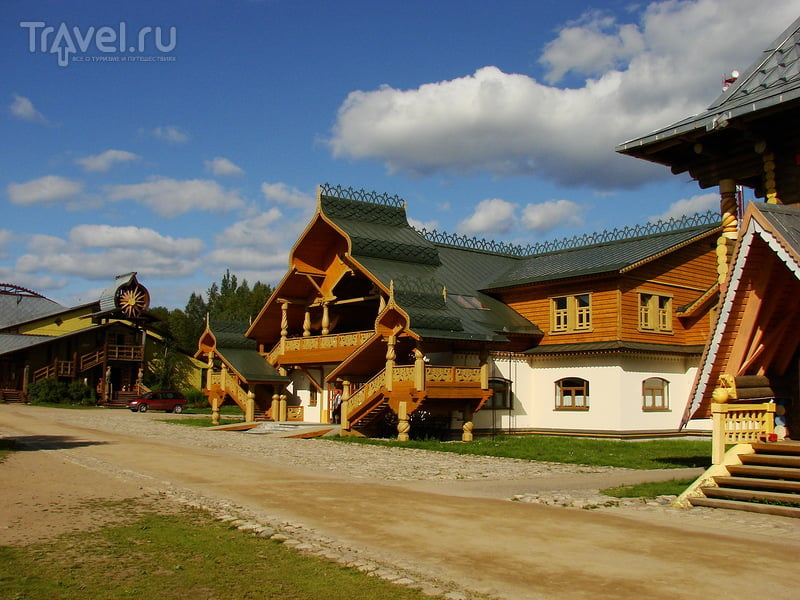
(230, 385)
(58, 368)
(739, 424)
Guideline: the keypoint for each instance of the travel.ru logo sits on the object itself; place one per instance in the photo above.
(66, 42)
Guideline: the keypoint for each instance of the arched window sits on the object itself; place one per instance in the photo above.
(572, 393)
(655, 394)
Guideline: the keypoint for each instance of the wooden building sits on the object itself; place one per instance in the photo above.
(749, 380)
(446, 333)
(104, 343)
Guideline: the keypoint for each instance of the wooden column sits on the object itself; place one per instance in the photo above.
(730, 227)
(484, 365)
(419, 368)
(276, 407)
(403, 426)
(284, 325)
(390, 360)
(215, 409)
(307, 323)
(346, 390)
(466, 428)
(326, 319)
(282, 401)
(250, 404)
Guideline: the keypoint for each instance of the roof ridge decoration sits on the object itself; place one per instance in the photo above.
(17, 290)
(710, 217)
(361, 195)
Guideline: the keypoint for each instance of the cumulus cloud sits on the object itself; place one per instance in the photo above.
(171, 134)
(45, 190)
(108, 236)
(221, 166)
(492, 215)
(643, 75)
(547, 216)
(22, 108)
(172, 197)
(689, 206)
(287, 195)
(100, 163)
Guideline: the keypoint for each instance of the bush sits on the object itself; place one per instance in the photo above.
(59, 392)
(196, 398)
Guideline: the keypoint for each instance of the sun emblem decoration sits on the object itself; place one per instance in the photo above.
(132, 300)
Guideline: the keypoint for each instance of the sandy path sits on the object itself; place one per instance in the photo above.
(487, 545)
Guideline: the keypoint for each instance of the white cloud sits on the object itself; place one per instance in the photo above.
(108, 236)
(547, 216)
(171, 134)
(431, 225)
(221, 166)
(492, 215)
(100, 163)
(45, 190)
(689, 206)
(249, 258)
(172, 197)
(22, 108)
(261, 230)
(646, 75)
(286, 195)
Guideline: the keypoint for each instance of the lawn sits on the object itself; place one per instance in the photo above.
(182, 556)
(649, 454)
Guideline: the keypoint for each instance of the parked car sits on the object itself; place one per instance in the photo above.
(164, 400)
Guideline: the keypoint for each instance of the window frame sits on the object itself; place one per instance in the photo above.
(572, 316)
(655, 312)
(502, 385)
(560, 395)
(647, 393)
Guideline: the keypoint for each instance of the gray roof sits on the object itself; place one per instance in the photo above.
(785, 221)
(108, 297)
(11, 342)
(772, 79)
(614, 346)
(24, 307)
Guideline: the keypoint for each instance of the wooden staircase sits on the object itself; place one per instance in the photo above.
(16, 396)
(767, 481)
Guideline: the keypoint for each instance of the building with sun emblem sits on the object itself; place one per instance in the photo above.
(105, 343)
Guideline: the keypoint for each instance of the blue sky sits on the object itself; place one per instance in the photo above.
(201, 150)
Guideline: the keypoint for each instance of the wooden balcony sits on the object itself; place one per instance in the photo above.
(315, 349)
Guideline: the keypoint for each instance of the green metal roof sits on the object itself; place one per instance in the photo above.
(595, 259)
(241, 353)
(613, 346)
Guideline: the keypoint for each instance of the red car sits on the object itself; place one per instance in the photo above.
(164, 400)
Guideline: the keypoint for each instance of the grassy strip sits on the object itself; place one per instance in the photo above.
(202, 421)
(674, 487)
(181, 557)
(652, 454)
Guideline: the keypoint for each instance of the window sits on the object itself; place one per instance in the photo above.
(501, 394)
(655, 312)
(571, 313)
(655, 394)
(572, 393)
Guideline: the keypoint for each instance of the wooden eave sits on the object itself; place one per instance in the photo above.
(668, 251)
(752, 334)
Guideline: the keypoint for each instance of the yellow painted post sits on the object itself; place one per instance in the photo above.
(276, 407)
(250, 404)
(284, 325)
(390, 359)
(282, 402)
(215, 409)
(419, 368)
(345, 413)
(718, 412)
(466, 428)
(403, 427)
(307, 323)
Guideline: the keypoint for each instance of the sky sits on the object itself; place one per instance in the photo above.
(182, 139)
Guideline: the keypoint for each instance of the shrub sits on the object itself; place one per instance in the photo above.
(59, 392)
(196, 398)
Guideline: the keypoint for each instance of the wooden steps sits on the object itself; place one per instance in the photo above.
(767, 481)
(16, 396)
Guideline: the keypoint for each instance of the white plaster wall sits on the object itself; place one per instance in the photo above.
(615, 393)
(300, 387)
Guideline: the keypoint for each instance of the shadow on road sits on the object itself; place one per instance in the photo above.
(27, 443)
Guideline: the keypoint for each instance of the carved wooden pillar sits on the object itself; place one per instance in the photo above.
(419, 367)
(282, 402)
(403, 426)
(210, 372)
(326, 319)
(284, 325)
(390, 360)
(466, 428)
(307, 323)
(250, 407)
(730, 226)
(276, 407)
(346, 390)
(215, 409)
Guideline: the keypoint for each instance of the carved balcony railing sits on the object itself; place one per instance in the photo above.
(315, 343)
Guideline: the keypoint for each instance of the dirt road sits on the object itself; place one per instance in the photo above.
(489, 546)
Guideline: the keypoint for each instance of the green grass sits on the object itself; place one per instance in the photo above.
(187, 556)
(202, 421)
(651, 454)
(673, 487)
